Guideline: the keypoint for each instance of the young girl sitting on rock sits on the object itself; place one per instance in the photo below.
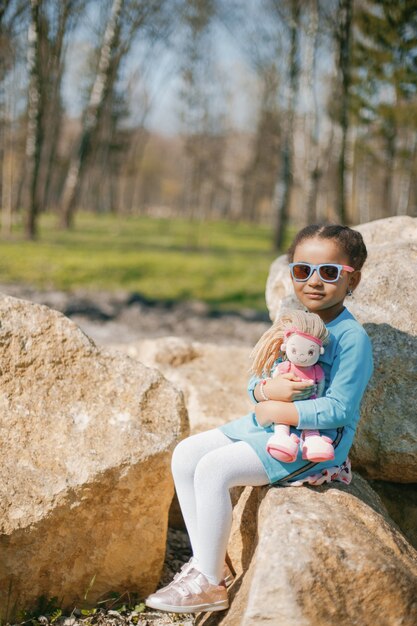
(325, 264)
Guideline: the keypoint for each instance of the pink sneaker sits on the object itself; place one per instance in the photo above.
(317, 448)
(228, 577)
(191, 593)
(283, 447)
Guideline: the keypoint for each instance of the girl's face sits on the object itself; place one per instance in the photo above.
(325, 299)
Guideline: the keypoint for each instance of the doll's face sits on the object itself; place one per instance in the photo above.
(302, 351)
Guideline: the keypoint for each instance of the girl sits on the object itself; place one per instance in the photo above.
(325, 264)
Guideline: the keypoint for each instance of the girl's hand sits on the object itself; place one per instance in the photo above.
(287, 388)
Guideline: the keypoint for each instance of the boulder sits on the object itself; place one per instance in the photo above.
(385, 447)
(398, 228)
(401, 503)
(323, 555)
(85, 446)
(213, 378)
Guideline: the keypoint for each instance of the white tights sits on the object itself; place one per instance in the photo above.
(205, 466)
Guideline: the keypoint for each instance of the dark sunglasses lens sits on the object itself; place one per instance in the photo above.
(301, 271)
(329, 272)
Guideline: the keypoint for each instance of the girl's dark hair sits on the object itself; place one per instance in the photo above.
(350, 241)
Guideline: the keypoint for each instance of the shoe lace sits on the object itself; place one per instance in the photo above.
(180, 574)
(187, 586)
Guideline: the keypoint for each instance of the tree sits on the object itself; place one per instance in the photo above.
(58, 21)
(44, 68)
(284, 183)
(384, 90)
(343, 38)
(260, 175)
(126, 19)
(313, 118)
(106, 72)
(202, 116)
(13, 16)
(34, 136)
(256, 35)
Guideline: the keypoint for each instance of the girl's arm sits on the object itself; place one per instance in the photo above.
(285, 388)
(349, 375)
(274, 411)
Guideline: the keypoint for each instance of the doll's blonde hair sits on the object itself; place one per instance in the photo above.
(267, 350)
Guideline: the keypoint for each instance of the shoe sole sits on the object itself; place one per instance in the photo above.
(196, 608)
(284, 457)
(317, 459)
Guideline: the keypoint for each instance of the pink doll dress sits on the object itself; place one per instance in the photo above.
(313, 372)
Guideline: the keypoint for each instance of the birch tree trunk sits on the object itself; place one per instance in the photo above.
(34, 136)
(101, 87)
(343, 38)
(283, 187)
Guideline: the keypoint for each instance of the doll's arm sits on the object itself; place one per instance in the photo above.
(320, 380)
(320, 387)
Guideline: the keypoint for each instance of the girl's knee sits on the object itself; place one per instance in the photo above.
(208, 473)
(190, 451)
(183, 460)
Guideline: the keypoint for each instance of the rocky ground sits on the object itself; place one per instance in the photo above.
(115, 318)
(120, 318)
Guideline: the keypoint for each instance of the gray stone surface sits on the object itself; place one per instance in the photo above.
(322, 556)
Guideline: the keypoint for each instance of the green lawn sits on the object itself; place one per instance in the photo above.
(224, 264)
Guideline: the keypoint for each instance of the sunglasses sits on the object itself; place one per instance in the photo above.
(328, 272)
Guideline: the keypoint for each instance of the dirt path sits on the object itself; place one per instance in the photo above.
(114, 318)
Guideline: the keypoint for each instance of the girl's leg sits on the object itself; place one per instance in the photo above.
(231, 466)
(185, 459)
(203, 480)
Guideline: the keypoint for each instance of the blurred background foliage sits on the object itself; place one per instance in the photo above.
(192, 137)
(221, 263)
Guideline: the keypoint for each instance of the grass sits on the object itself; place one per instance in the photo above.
(224, 264)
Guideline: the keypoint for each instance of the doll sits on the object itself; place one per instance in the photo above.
(300, 337)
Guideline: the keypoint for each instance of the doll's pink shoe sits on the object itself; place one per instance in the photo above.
(283, 447)
(316, 447)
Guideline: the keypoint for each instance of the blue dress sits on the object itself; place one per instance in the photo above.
(348, 365)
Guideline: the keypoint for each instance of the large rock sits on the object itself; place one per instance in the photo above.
(401, 504)
(213, 378)
(85, 448)
(324, 556)
(386, 443)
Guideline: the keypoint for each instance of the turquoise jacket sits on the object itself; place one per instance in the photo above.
(348, 365)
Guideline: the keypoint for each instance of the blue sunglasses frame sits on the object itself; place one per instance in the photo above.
(312, 268)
